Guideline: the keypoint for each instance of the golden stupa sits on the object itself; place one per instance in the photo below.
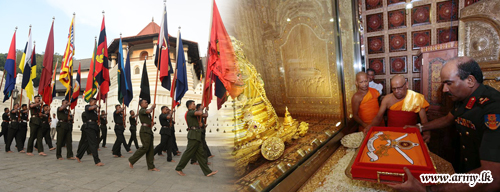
(258, 131)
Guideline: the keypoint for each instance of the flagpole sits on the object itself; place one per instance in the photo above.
(98, 112)
(174, 83)
(3, 76)
(138, 104)
(21, 98)
(54, 78)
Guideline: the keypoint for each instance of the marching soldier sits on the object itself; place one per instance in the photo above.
(166, 134)
(104, 128)
(64, 131)
(91, 131)
(133, 130)
(44, 129)
(35, 126)
(208, 154)
(147, 137)
(119, 129)
(5, 125)
(23, 129)
(194, 146)
(14, 126)
(83, 137)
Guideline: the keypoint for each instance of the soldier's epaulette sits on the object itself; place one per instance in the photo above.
(484, 100)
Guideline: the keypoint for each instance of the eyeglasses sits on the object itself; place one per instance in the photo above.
(394, 89)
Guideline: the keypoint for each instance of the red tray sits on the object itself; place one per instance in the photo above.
(379, 170)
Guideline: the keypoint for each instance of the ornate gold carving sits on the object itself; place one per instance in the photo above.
(272, 148)
(257, 125)
(481, 42)
(306, 70)
(479, 33)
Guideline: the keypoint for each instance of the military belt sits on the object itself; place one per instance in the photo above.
(147, 125)
(6, 121)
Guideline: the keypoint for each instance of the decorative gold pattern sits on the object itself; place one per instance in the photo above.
(257, 128)
(479, 33)
(293, 45)
(272, 148)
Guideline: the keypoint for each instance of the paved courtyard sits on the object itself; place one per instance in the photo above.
(19, 172)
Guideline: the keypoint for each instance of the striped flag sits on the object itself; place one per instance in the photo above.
(67, 62)
(91, 88)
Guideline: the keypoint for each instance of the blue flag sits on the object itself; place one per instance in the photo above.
(181, 84)
(122, 84)
(10, 70)
(129, 93)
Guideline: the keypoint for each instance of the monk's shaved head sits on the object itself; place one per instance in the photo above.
(398, 79)
(360, 74)
(362, 81)
(399, 86)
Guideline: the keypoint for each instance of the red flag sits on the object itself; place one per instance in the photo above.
(102, 66)
(221, 60)
(162, 49)
(45, 88)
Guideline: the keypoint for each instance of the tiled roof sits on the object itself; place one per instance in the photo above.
(151, 28)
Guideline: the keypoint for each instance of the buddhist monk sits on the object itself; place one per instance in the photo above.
(364, 102)
(403, 107)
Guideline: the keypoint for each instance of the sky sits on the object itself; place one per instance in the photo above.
(128, 17)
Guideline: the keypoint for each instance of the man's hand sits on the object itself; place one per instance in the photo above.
(411, 184)
(153, 106)
(410, 126)
(427, 136)
(367, 128)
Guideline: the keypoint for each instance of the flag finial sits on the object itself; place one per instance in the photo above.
(179, 27)
(120, 35)
(53, 18)
(15, 29)
(74, 13)
(102, 12)
(153, 19)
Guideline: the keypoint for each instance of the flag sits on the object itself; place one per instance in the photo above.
(30, 74)
(26, 60)
(76, 89)
(220, 92)
(181, 83)
(162, 57)
(101, 64)
(91, 87)
(53, 89)
(130, 94)
(122, 84)
(25, 63)
(69, 94)
(10, 69)
(44, 87)
(67, 62)
(145, 92)
(221, 60)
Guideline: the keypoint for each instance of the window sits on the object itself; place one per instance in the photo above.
(143, 55)
(137, 70)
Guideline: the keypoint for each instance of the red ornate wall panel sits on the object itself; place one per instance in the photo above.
(393, 35)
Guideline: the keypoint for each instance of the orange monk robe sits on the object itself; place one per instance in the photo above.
(405, 112)
(369, 107)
